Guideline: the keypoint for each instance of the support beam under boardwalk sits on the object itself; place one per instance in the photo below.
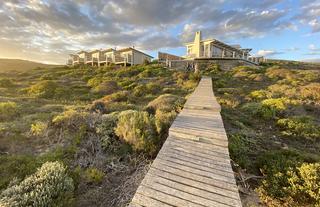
(193, 166)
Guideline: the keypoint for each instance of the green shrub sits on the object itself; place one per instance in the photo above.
(94, 82)
(128, 71)
(305, 184)
(281, 90)
(268, 108)
(239, 148)
(243, 71)
(71, 120)
(63, 93)
(106, 87)
(153, 88)
(259, 94)
(140, 90)
(274, 166)
(6, 82)
(117, 97)
(38, 129)
(105, 129)
(166, 103)
(48, 186)
(8, 110)
(302, 126)
(138, 129)
(164, 121)
(276, 72)
(288, 181)
(229, 100)
(94, 175)
(43, 89)
(211, 70)
(98, 106)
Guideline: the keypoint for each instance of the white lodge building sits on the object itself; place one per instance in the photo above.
(125, 56)
(212, 48)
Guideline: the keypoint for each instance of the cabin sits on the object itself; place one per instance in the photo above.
(213, 48)
(126, 56)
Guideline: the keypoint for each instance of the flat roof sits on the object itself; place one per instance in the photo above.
(217, 42)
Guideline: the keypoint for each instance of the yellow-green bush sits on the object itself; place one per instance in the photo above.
(106, 87)
(43, 89)
(276, 72)
(259, 94)
(164, 121)
(94, 82)
(268, 108)
(244, 71)
(288, 179)
(302, 126)
(8, 110)
(304, 184)
(38, 128)
(228, 100)
(138, 129)
(166, 103)
(280, 90)
(71, 120)
(117, 97)
(210, 70)
(153, 88)
(311, 92)
(48, 186)
(140, 90)
(93, 175)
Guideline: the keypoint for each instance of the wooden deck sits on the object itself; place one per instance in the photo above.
(193, 166)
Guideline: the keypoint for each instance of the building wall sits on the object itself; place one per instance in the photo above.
(139, 58)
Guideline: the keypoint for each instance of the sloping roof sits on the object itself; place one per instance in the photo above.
(108, 50)
(130, 48)
(94, 51)
(82, 51)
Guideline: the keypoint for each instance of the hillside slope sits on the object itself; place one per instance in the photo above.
(20, 65)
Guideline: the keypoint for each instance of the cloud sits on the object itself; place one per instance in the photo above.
(52, 29)
(310, 15)
(268, 53)
(312, 47)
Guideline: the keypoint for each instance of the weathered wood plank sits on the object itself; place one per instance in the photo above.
(194, 183)
(218, 200)
(142, 200)
(170, 196)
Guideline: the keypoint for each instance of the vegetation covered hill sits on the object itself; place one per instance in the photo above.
(20, 65)
(272, 118)
(83, 136)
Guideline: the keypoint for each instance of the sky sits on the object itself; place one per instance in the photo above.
(48, 30)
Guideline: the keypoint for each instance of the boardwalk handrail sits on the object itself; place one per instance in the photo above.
(193, 166)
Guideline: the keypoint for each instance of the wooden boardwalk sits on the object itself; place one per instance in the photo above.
(193, 166)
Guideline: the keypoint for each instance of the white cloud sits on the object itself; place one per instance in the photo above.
(267, 53)
(313, 48)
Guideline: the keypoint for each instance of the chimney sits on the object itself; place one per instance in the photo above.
(197, 40)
